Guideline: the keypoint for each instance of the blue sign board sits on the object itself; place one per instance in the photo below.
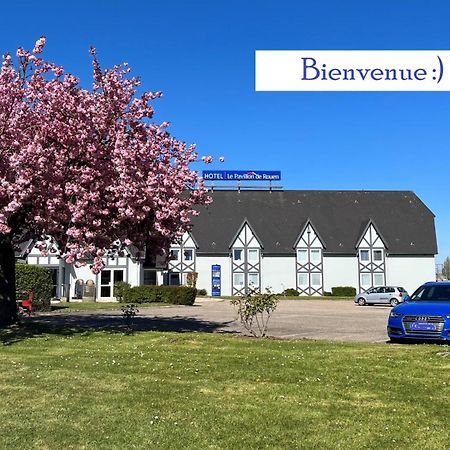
(215, 280)
(241, 175)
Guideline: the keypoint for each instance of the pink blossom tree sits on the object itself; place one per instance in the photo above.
(87, 167)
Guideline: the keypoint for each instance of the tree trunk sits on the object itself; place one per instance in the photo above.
(8, 308)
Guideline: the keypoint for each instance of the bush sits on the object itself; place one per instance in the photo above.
(191, 279)
(120, 289)
(254, 311)
(343, 291)
(201, 292)
(327, 294)
(175, 295)
(290, 292)
(37, 280)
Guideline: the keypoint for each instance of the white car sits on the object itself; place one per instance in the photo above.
(389, 295)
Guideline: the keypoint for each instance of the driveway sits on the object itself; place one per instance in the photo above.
(313, 319)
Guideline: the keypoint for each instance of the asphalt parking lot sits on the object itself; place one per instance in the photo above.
(336, 320)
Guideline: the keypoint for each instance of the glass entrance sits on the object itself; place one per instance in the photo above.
(108, 278)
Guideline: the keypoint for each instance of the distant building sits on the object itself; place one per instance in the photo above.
(306, 240)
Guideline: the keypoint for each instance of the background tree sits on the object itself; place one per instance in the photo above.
(86, 167)
(446, 268)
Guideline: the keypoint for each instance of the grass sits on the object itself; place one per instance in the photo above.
(100, 390)
(91, 306)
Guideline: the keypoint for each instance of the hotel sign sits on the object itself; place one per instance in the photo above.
(241, 175)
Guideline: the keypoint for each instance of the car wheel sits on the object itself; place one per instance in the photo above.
(361, 301)
(394, 302)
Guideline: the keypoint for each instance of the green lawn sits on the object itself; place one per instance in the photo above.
(101, 390)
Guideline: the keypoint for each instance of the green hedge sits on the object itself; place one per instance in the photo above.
(35, 279)
(343, 291)
(175, 295)
(291, 292)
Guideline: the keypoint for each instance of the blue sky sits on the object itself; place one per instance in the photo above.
(201, 54)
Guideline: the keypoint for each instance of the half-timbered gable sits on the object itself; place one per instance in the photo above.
(245, 260)
(309, 261)
(182, 259)
(371, 254)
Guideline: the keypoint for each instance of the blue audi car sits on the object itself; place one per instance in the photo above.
(424, 315)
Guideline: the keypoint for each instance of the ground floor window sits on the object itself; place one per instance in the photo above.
(150, 277)
(315, 279)
(378, 279)
(108, 279)
(54, 272)
(365, 279)
(303, 279)
(172, 278)
(253, 280)
(238, 279)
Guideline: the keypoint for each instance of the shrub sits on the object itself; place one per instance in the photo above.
(201, 292)
(129, 313)
(191, 279)
(327, 294)
(290, 292)
(120, 288)
(343, 291)
(175, 295)
(37, 280)
(141, 294)
(254, 311)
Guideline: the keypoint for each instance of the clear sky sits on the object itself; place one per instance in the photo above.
(201, 54)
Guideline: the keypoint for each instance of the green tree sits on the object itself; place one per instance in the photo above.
(446, 268)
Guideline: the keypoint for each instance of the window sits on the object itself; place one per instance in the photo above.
(378, 255)
(150, 277)
(315, 255)
(188, 255)
(364, 255)
(253, 255)
(365, 279)
(303, 279)
(253, 279)
(174, 255)
(390, 289)
(378, 279)
(54, 272)
(315, 279)
(238, 279)
(174, 278)
(237, 254)
(302, 255)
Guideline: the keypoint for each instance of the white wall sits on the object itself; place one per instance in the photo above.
(134, 272)
(278, 273)
(410, 272)
(203, 267)
(340, 271)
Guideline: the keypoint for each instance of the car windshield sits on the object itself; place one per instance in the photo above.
(432, 293)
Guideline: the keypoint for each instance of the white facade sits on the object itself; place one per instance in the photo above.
(274, 271)
(409, 272)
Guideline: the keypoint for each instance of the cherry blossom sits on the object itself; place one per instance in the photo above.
(89, 167)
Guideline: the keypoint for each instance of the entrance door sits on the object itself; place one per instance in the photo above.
(108, 278)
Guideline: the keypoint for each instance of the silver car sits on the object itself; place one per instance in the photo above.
(389, 295)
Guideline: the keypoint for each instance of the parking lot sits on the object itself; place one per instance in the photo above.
(337, 320)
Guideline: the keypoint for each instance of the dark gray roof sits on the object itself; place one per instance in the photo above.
(340, 217)
(22, 249)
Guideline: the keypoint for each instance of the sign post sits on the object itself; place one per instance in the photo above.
(215, 280)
